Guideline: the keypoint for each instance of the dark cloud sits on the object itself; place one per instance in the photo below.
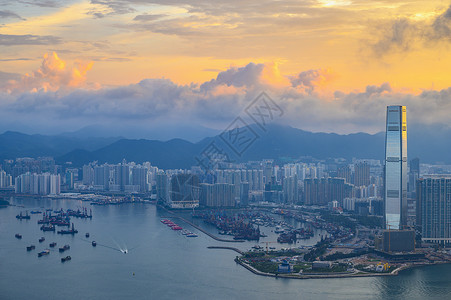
(28, 39)
(112, 8)
(9, 14)
(402, 35)
(40, 3)
(441, 26)
(148, 17)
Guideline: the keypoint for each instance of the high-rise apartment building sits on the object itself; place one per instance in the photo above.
(434, 208)
(395, 178)
(362, 174)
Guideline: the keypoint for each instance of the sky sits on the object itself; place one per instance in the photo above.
(332, 66)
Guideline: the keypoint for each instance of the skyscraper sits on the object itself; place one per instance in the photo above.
(395, 178)
(434, 208)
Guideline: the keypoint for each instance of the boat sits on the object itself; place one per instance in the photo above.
(18, 236)
(64, 259)
(70, 231)
(48, 228)
(32, 247)
(87, 234)
(279, 230)
(192, 235)
(94, 243)
(45, 252)
(52, 245)
(64, 248)
(41, 239)
(22, 217)
(35, 212)
(176, 227)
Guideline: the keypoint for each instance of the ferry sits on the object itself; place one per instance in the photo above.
(18, 236)
(41, 239)
(45, 252)
(32, 247)
(64, 259)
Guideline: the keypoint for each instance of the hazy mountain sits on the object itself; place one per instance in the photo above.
(282, 143)
(161, 132)
(278, 142)
(16, 144)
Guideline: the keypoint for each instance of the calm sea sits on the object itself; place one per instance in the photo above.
(164, 264)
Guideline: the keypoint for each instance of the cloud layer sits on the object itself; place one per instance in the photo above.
(57, 96)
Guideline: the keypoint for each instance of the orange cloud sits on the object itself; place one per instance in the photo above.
(52, 75)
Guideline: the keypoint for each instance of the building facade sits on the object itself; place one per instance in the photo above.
(434, 208)
(395, 177)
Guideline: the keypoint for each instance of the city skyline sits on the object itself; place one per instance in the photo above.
(156, 64)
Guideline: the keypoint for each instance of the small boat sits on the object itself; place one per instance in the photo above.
(64, 259)
(32, 247)
(94, 243)
(35, 212)
(176, 227)
(66, 247)
(48, 228)
(18, 236)
(192, 235)
(22, 217)
(41, 239)
(52, 245)
(87, 234)
(45, 252)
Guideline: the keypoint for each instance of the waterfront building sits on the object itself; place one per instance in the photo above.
(162, 187)
(395, 178)
(184, 191)
(434, 208)
(38, 184)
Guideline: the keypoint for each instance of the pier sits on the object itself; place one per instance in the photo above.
(201, 229)
(228, 248)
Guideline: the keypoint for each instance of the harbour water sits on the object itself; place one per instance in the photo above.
(163, 264)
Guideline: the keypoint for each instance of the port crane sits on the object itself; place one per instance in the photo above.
(267, 245)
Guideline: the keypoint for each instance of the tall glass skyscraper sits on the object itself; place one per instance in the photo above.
(395, 180)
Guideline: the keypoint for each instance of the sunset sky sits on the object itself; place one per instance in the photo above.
(332, 66)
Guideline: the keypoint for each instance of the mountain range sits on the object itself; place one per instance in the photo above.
(282, 143)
